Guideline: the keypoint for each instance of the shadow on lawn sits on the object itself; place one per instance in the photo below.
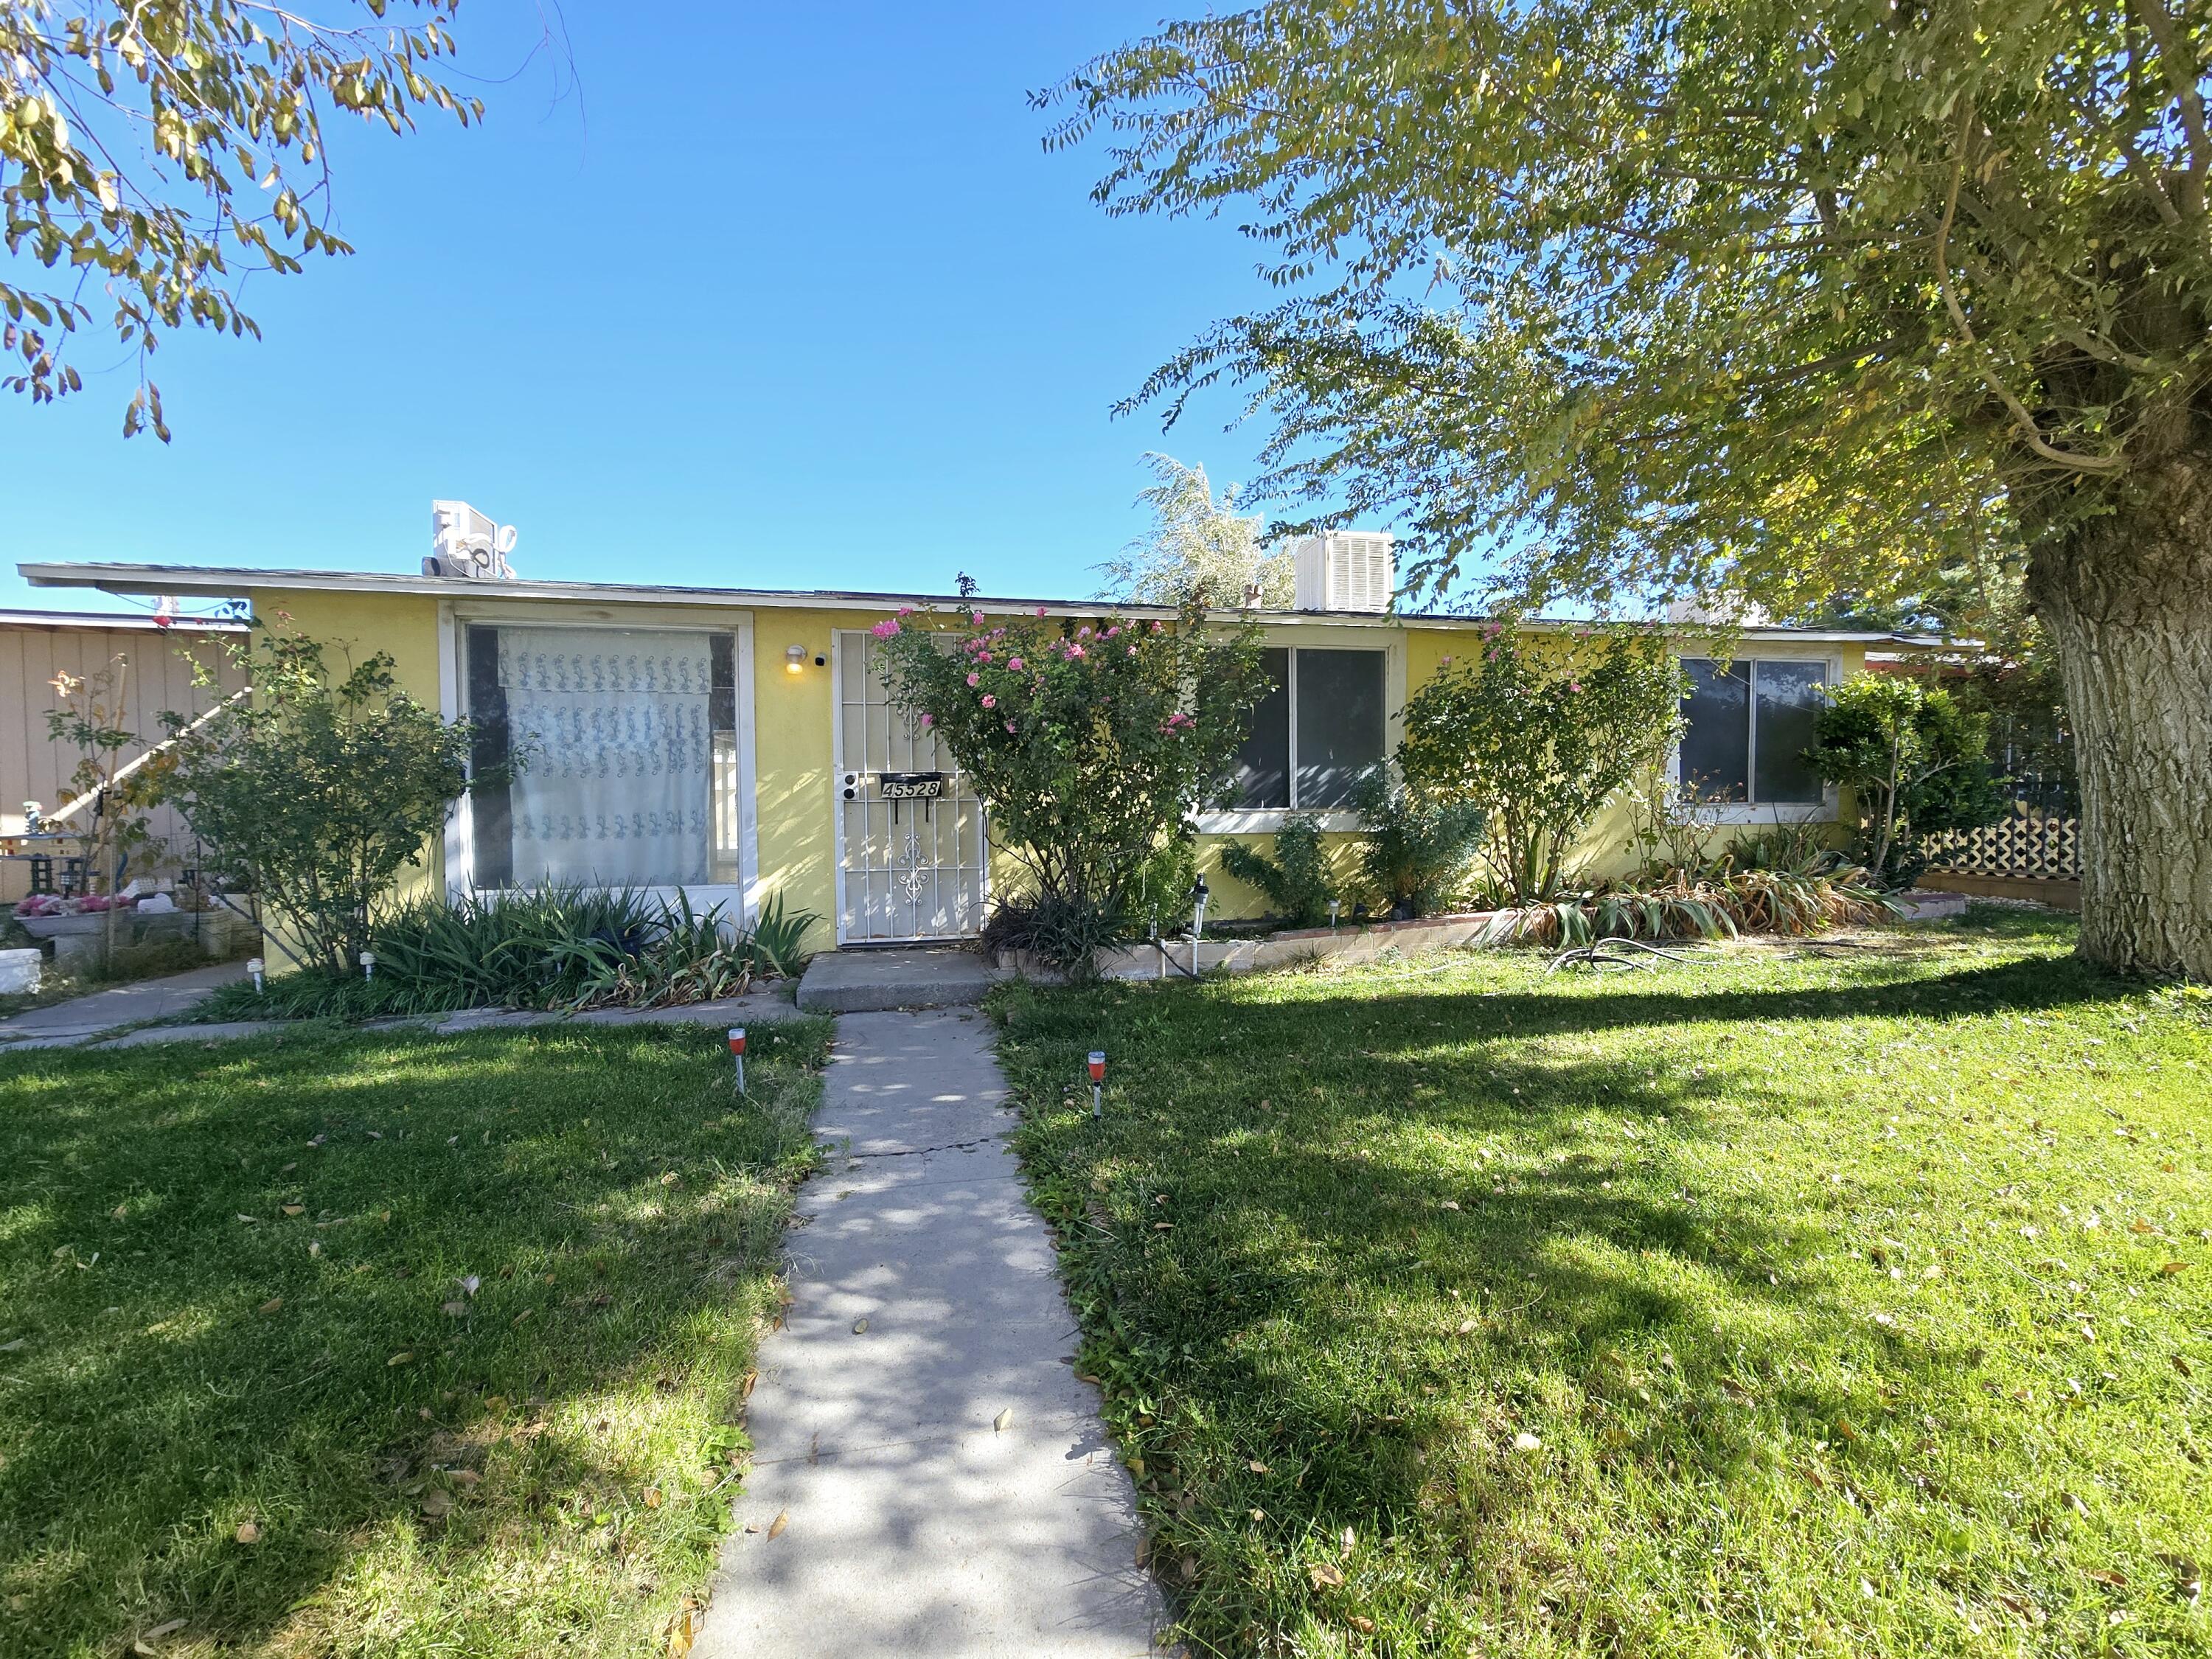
(1369, 1313)
(185, 1370)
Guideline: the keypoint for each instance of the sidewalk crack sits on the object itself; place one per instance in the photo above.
(919, 1151)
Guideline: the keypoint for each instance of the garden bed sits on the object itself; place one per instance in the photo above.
(1799, 1299)
(409, 1346)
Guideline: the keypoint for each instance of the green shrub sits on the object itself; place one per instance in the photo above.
(1539, 746)
(316, 791)
(1295, 880)
(1418, 857)
(1915, 760)
(1718, 903)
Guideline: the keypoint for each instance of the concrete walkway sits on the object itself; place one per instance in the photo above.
(910, 1523)
(79, 1017)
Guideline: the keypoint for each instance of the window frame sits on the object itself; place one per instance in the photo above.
(742, 898)
(1266, 820)
(1827, 808)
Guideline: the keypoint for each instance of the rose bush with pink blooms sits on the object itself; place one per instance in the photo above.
(1093, 741)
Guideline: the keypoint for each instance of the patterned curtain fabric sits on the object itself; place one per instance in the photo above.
(615, 789)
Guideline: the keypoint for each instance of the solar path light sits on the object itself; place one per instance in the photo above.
(1098, 1082)
(737, 1053)
(259, 970)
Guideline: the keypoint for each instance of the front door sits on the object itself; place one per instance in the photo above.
(909, 866)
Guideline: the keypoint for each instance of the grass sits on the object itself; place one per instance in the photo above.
(245, 1385)
(1804, 1300)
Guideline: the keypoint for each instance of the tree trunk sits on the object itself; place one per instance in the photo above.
(2127, 597)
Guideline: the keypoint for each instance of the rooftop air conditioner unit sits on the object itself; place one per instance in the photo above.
(467, 544)
(1345, 570)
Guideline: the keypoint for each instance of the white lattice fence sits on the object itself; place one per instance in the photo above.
(2023, 842)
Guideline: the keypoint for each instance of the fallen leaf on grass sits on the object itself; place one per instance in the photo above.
(745, 1387)
(524, 1315)
(437, 1503)
(1526, 1442)
(248, 1533)
(1324, 1574)
(652, 1498)
(2112, 1580)
(466, 1477)
(2173, 1267)
(1256, 1466)
(775, 1527)
(1361, 1623)
(271, 1304)
(401, 1357)
(292, 1209)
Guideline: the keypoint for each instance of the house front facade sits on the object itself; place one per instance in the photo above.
(738, 745)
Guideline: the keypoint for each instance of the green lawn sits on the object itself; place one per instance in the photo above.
(355, 1344)
(1801, 1301)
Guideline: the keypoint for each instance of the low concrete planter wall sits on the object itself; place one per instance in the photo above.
(1245, 955)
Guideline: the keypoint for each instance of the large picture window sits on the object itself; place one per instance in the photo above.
(628, 741)
(1316, 734)
(1746, 729)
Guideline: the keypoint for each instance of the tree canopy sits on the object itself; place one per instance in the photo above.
(1633, 296)
(154, 155)
(1197, 544)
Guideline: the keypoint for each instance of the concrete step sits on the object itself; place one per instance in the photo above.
(874, 981)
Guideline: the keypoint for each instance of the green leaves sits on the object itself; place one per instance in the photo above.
(1539, 736)
(224, 104)
(1606, 301)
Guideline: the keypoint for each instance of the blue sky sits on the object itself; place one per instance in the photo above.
(780, 297)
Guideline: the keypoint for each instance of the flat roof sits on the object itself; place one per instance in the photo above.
(235, 582)
(118, 620)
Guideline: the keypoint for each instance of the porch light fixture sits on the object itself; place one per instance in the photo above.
(795, 660)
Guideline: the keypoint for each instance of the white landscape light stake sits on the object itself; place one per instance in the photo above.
(1198, 893)
(737, 1053)
(368, 964)
(1334, 905)
(1098, 1082)
(259, 970)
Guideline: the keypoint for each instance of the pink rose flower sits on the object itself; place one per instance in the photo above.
(978, 619)
(974, 679)
(885, 628)
(1073, 652)
(1111, 632)
(1443, 662)
(1083, 632)
(1040, 610)
(1133, 650)
(989, 701)
(1014, 663)
(928, 720)
(1010, 726)
(905, 610)
(1574, 685)
(1158, 626)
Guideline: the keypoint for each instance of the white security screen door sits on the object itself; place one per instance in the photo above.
(909, 866)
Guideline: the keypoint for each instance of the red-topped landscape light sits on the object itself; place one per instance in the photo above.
(737, 1053)
(1098, 1082)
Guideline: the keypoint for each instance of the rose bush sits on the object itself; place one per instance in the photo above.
(1092, 743)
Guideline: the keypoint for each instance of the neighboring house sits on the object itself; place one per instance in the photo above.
(729, 742)
(37, 645)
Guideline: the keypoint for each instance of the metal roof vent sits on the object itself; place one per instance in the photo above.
(468, 544)
(1345, 570)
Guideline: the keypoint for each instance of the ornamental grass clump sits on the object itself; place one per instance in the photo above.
(1093, 741)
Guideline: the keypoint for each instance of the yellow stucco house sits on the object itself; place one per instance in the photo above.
(735, 743)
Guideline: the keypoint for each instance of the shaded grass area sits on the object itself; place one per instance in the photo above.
(1799, 1301)
(335, 1343)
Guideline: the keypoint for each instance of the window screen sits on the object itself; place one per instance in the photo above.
(1339, 725)
(1787, 698)
(1263, 763)
(1717, 732)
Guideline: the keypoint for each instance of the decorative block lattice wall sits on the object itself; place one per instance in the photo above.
(2024, 842)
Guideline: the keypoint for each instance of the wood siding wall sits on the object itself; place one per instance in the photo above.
(34, 767)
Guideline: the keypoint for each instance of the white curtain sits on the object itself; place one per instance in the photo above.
(616, 787)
